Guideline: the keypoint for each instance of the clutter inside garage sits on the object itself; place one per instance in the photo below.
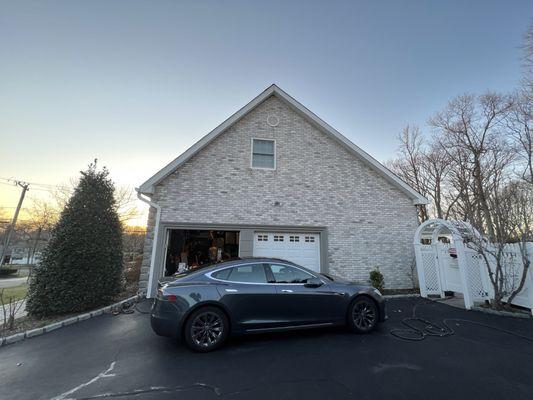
(190, 249)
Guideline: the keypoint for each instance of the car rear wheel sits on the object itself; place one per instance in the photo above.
(206, 329)
(363, 315)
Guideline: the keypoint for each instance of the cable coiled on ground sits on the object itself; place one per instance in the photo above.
(418, 328)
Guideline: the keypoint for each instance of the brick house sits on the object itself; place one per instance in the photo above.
(275, 180)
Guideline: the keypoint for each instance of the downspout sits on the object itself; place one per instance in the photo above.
(154, 242)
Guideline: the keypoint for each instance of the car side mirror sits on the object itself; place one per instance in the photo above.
(313, 283)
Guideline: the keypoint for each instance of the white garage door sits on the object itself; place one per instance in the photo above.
(300, 248)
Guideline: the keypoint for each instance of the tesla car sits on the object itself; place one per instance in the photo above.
(203, 307)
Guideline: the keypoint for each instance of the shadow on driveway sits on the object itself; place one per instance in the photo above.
(120, 357)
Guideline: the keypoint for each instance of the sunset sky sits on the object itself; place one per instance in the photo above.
(135, 83)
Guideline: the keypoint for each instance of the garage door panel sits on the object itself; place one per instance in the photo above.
(300, 248)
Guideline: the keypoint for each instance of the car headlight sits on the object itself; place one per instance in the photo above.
(377, 292)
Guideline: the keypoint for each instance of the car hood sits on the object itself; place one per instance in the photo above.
(342, 281)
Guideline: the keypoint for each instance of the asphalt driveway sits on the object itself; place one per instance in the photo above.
(120, 357)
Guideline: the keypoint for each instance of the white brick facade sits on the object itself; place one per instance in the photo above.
(318, 182)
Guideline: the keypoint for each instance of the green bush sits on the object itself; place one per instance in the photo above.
(376, 279)
(81, 267)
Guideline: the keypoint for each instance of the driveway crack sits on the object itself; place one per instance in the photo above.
(105, 374)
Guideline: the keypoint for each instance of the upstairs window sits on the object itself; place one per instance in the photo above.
(263, 154)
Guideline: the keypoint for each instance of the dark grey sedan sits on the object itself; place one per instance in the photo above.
(203, 307)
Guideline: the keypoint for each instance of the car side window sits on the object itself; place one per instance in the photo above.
(250, 273)
(287, 274)
(223, 274)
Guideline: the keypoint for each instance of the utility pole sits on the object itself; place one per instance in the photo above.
(11, 227)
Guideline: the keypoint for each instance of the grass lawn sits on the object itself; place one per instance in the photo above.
(16, 292)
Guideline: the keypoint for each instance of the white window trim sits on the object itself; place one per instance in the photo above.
(252, 154)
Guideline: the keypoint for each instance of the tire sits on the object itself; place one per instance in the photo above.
(206, 329)
(362, 315)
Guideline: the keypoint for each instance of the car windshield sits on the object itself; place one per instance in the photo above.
(331, 278)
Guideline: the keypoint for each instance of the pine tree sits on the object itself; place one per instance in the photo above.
(81, 267)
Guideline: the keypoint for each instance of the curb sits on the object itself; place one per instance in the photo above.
(503, 313)
(399, 296)
(66, 322)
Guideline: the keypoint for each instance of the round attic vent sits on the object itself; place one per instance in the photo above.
(272, 120)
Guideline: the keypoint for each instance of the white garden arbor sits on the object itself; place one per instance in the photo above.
(445, 263)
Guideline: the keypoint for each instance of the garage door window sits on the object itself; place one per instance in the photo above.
(263, 154)
(286, 274)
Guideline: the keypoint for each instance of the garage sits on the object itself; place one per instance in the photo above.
(190, 248)
(300, 248)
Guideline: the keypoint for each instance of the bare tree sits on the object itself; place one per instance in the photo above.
(10, 308)
(409, 164)
(458, 199)
(126, 204)
(519, 123)
(436, 164)
(512, 210)
(43, 216)
(519, 209)
(473, 123)
(126, 200)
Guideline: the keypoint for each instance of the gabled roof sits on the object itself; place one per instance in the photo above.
(273, 90)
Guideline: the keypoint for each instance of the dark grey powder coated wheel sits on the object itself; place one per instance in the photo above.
(206, 329)
(363, 315)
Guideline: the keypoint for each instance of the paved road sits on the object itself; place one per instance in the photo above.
(9, 282)
(119, 357)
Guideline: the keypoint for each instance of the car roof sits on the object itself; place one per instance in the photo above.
(246, 260)
(207, 269)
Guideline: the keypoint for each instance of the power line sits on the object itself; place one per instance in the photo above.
(44, 185)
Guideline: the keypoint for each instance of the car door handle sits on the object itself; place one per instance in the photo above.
(231, 290)
(287, 291)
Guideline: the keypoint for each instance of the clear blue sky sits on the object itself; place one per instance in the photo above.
(135, 83)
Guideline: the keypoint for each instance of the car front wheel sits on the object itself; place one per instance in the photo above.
(362, 315)
(206, 329)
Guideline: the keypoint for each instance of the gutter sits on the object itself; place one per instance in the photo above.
(154, 242)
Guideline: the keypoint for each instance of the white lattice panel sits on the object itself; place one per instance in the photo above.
(431, 274)
(473, 275)
(512, 269)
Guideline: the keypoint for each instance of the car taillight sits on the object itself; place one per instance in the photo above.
(171, 297)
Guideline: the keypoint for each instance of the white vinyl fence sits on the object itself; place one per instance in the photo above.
(513, 267)
(446, 263)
